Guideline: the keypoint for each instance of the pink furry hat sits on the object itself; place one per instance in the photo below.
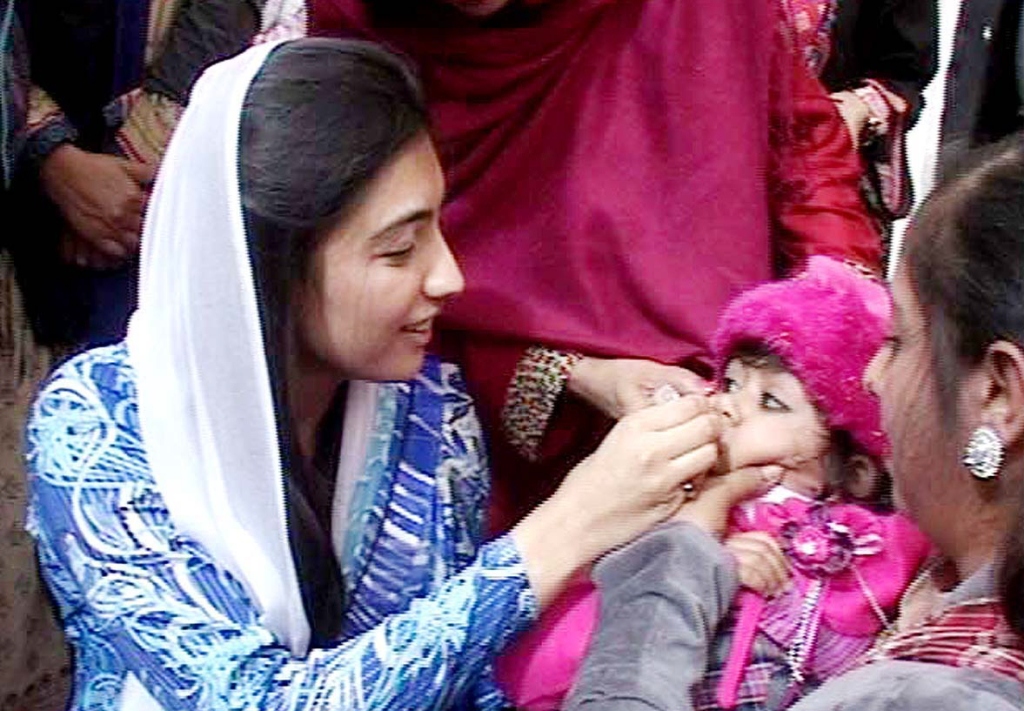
(825, 324)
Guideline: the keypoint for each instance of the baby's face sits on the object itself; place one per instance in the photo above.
(769, 419)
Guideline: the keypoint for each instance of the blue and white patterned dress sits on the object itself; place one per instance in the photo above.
(428, 608)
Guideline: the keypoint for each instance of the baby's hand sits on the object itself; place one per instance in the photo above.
(760, 561)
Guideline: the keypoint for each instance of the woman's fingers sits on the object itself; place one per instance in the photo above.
(142, 173)
(103, 254)
(668, 415)
(680, 452)
(692, 468)
(687, 436)
(710, 510)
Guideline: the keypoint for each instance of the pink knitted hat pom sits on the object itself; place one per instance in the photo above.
(826, 324)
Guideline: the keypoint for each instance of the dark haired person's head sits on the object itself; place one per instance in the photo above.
(341, 193)
(770, 416)
(954, 364)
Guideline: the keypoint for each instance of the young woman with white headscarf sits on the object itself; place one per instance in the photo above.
(268, 496)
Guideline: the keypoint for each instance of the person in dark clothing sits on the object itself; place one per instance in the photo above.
(109, 80)
(879, 56)
(34, 671)
(983, 100)
(893, 42)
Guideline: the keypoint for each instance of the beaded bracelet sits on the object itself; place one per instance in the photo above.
(539, 380)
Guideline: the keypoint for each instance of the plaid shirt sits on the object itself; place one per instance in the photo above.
(972, 634)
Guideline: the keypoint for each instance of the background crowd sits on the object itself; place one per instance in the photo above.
(615, 171)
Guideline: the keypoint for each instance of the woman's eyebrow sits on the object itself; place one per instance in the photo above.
(414, 216)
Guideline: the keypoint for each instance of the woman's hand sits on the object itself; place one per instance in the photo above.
(710, 508)
(621, 386)
(855, 114)
(75, 250)
(761, 564)
(631, 483)
(101, 197)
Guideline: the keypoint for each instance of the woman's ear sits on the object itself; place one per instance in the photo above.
(862, 477)
(997, 392)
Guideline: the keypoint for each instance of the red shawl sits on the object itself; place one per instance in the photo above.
(607, 164)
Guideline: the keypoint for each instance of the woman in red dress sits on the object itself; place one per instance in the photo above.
(617, 170)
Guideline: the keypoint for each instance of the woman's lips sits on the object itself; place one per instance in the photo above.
(421, 331)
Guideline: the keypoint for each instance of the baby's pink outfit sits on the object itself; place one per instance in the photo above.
(850, 566)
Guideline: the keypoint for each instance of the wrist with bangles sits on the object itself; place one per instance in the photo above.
(538, 382)
(880, 110)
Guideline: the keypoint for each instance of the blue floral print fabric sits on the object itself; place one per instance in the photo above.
(428, 606)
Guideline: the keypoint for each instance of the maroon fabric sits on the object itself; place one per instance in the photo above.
(606, 166)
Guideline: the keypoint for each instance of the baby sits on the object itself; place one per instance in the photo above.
(822, 559)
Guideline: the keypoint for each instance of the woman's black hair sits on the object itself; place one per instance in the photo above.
(321, 119)
(965, 258)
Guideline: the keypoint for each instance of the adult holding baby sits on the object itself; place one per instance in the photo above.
(950, 379)
(233, 508)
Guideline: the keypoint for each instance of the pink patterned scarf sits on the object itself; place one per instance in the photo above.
(811, 22)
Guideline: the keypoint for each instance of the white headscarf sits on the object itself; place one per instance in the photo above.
(205, 404)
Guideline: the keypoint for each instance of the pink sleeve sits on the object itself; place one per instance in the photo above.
(538, 671)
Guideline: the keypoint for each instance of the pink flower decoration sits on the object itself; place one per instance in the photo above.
(818, 546)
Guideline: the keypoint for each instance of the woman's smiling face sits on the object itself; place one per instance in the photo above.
(768, 418)
(378, 280)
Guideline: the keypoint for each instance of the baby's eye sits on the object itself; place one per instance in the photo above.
(729, 385)
(770, 402)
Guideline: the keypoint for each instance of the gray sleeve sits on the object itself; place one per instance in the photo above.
(915, 686)
(661, 598)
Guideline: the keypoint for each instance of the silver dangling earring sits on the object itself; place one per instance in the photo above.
(983, 455)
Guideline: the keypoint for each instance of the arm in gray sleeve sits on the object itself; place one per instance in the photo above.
(662, 597)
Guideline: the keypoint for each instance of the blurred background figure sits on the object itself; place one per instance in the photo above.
(976, 95)
(875, 57)
(109, 82)
(33, 661)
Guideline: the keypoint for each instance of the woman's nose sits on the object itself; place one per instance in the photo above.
(445, 277)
